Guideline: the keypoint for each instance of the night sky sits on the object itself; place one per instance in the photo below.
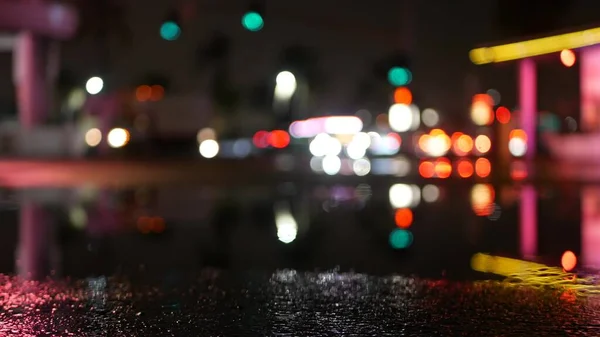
(349, 37)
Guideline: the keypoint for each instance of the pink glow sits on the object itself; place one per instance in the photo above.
(330, 124)
(590, 88)
(590, 226)
(528, 103)
(528, 223)
(33, 256)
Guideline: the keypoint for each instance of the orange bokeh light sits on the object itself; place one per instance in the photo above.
(481, 110)
(404, 217)
(483, 167)
(464, 168)
(403, 96)
(518, 133)
(463, 145)
(568, 260)
(443, 168)
(157, 93)
(143, 93)
(567, 57)
(426, 169)
(482, 199)
(503, 115)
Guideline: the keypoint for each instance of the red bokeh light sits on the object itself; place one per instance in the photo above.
(404, 217)
(403, 96)
(503, 115)
(261, 139)
(426, 169)
(279, 139)
(464, 168)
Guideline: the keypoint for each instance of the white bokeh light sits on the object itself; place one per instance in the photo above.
(209, 148)
(94, 85)
(402, 195)
(430, 117)
(93, 137)
(431, 193)
(323, 144)
(117, 137)
(285, 85)
(331, 164)
(517, 147)
(355, 150)
(400, 117)
(361, 167)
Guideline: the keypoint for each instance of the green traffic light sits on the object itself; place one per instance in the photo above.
(398, 76)
(253, 21)
(170, 31)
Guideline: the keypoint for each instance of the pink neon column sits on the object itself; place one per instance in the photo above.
(30, 77)
(590, 227)
(33, 254)
(589, 74)
(528, 222)
(528, 103)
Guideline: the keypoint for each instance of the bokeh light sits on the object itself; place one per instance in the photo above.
(517, 143)
(261, 139)
(483, 144)
(206, 133)
(430, 117)
(483, 167)
(143, 93)
(331, 164)
(93, 137)
(400, 239)
(285, 85)
(430, 193)
(117, 137)
(403, 217)
(568, 260)
(567, 57)
(253, 21)
(170, 31)
(403, 96)
(400, 117)
(503, 115)
(94, 85)
(398, 76)
(209, 148)
(279, 139)
(404, 196)
(157, 92)
(481, 110)
(464, 168)
(482, 199)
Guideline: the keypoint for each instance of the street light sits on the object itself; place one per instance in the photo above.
(94, 85)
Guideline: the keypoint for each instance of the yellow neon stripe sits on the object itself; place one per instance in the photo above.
(529, 48)
(519, 272)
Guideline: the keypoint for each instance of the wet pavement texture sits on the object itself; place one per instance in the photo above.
(288, 303)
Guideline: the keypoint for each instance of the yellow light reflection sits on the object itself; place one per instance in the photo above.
(535, 47)
(520, 272)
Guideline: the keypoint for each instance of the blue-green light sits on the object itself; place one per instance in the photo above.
(548, 122)
(400, 239)
(398, 76)
(170, 31)
(253, 21)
